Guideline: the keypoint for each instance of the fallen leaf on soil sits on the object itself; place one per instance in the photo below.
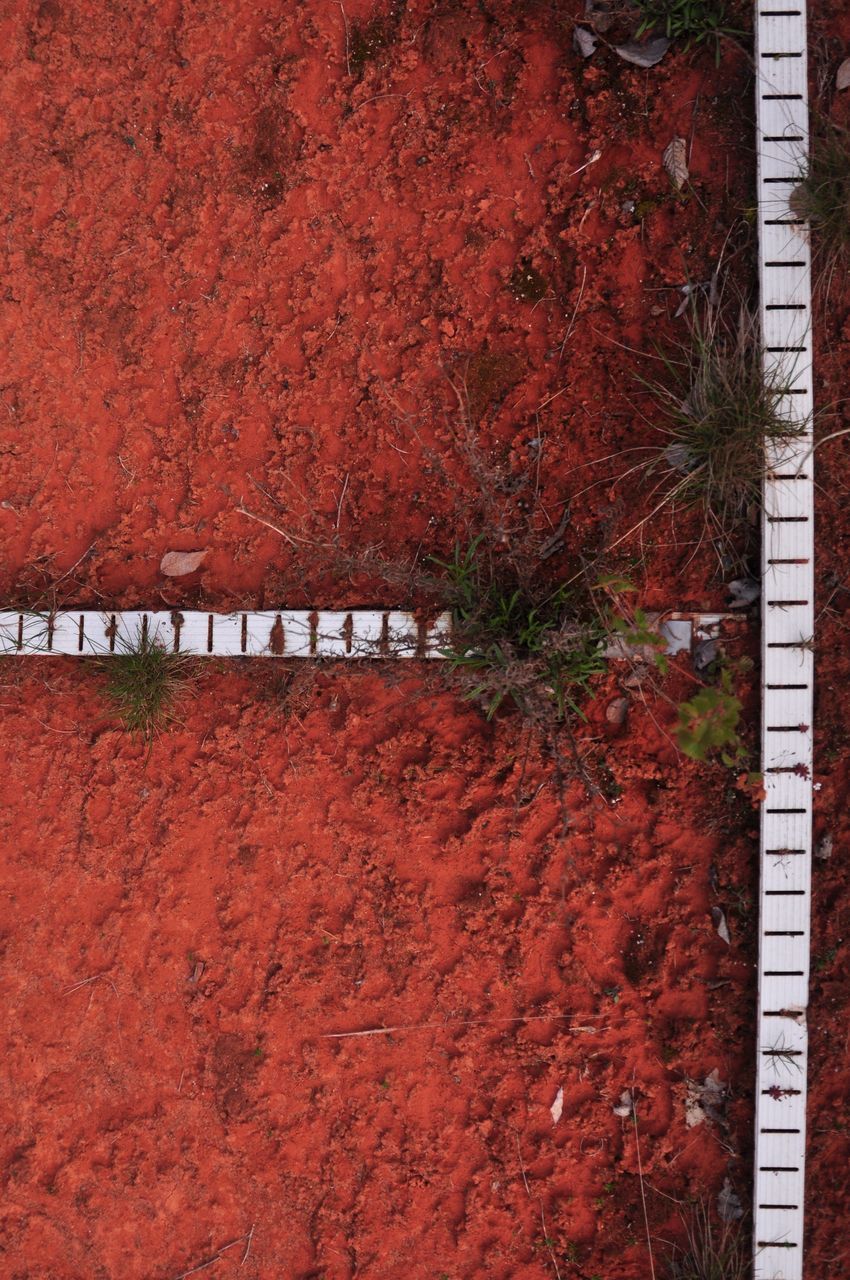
(719, 917)
(842, 75)
(729, 1205)
(705, 653)
(174, 564)
(626, 1106)
(679, 455)
(706, 1101)
(675, 161)
(644, 54)
(584, 41)
(557, 1106)
(687, 290)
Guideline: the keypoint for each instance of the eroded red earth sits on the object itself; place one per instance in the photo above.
(247, 261)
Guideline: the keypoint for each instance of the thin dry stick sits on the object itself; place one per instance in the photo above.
(450, 1022)
(208, 1262)
(539, 1204)
(642, 1190)
(247, 1246)
(68, 572)
(261, 489)
(85, 982)
(548, 1245)
(572, 323)
(521, 1165)
(347, 38)
(290, 538)
(342, 499)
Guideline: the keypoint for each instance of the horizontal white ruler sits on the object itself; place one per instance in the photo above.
(782, 121)
(285, 633)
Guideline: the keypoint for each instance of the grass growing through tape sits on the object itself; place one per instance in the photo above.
(780, 1053)
(516, 639)
(717, 411)
(146, 685)
(713, 1250)
(823, 197)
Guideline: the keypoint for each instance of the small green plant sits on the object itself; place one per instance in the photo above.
(146, 684)
(519, 641)
(709, 724)
(713, 1250)
(720, 411)
(823, 196)
(688, 22)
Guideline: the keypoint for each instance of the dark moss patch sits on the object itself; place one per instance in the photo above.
(369, 40)
(489, 377)
(527, 283)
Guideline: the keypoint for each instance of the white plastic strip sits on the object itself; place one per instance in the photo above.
(287, 633)
(787, 658)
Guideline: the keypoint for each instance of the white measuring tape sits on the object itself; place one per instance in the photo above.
(787, 657)
(285, 633)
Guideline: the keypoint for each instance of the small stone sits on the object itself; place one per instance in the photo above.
(617, 711)
(823, 848)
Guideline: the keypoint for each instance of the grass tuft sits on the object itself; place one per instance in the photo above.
(518, 640)
(719, 410)
(714, 1251)
(823, 196)
(688, 22)
(146, 684)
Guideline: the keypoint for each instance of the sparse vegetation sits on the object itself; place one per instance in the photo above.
(688, 22)
(519, 641)
(709, 724)
(823, 196)
(714, 1250)
(146, 685)
(720, 409)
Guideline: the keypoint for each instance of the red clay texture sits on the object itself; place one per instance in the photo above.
(294, 994)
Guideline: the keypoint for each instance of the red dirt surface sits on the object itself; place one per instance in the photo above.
(231, 264)
(180, 940)
(244, 259)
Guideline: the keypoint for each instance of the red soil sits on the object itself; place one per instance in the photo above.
(233, 270)
(382, 862)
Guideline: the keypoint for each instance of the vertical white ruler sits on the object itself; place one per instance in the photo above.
(787, 648)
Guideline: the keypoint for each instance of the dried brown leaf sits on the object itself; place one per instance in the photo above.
(175, 564)
(644, 53)
(584, 41)
(626, 1105)
(718, 915)
(675, 161)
